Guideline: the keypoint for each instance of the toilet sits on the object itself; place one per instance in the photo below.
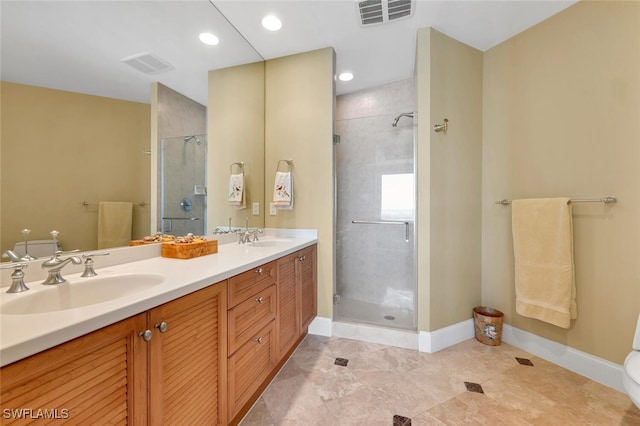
(39, 248)
(631, 376)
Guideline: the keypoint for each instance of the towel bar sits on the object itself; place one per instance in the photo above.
(240, 165)
(608, 200)
(288, 162)
(87, 204)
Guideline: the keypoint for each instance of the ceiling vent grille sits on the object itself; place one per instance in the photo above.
(380, 11)
(148, 63)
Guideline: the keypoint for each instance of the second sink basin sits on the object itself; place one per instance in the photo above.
(81, 292)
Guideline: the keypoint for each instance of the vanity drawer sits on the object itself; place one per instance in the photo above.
(250, 283)
(247, 318)
(250, 366)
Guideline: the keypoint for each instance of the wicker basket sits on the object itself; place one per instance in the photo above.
(488, 325)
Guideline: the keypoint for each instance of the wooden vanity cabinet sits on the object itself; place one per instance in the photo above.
(209, 355)
(297, 296)
(97, 378)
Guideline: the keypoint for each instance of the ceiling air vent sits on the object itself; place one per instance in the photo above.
(148, 63)
(381, 11)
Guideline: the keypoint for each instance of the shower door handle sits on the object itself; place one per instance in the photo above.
(386, 222)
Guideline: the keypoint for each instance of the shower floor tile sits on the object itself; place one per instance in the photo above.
(384, 385)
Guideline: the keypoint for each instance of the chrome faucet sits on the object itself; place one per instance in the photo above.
(88, 263)
(248, 236)
(55, 265)
(17, 277)
(14, 256)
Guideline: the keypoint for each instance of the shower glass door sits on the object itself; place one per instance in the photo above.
(183, 199)
(375, 191)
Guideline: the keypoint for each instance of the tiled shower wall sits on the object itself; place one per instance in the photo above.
(179, 116)
(375, 264)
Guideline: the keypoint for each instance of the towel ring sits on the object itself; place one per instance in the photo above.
(240, 165)
(289, 164)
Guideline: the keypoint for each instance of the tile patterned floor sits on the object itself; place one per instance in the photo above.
(383, 385)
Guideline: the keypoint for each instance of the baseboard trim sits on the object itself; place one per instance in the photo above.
(434, 341)
(590, 366)
(321, 326)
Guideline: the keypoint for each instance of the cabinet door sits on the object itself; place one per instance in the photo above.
(288, 325)
(187, 361)
(97, 378)
(306, 271)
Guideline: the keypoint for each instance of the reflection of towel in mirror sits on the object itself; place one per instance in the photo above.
(283, 191)
(236, 191)
(114, 223)
(543, 253)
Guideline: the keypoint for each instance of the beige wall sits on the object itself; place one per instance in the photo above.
(449, 79)
(61, 148)
(299, 126)
(562, 118)
(236, 115)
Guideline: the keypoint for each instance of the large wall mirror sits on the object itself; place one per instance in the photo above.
(77, 120)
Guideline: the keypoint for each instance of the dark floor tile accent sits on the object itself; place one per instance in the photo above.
(341, 362)
(401, 421)
(473, 387)
(524, 361)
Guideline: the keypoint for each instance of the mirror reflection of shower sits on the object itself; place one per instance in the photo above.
(182, 182)
(404, 114)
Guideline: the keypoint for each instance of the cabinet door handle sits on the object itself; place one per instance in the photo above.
(259, 340)
(301, 258)
(259, 271)
(146, 335)
(162, 327)
(260, 299)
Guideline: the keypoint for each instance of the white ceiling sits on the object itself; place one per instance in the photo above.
(78, 45)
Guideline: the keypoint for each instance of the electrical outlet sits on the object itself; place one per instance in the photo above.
(272, 209)
(256, 209)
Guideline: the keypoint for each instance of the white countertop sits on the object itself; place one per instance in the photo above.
(26, 334)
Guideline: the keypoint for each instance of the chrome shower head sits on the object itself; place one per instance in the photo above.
(404, 114)
(188, 138)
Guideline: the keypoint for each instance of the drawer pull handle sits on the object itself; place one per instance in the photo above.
(162, 327)
(259, 340)
(260, 299)
(259, 271)
(146, 335)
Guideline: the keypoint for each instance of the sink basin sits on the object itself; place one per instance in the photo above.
(268, 243)
(81, 292)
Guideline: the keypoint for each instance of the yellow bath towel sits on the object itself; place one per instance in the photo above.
(114, 223)
(543, 251)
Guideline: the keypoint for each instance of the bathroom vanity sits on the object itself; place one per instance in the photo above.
(197, 348)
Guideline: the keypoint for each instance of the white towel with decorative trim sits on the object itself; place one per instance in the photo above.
(283, 191)
(543, 253)
(236, 191)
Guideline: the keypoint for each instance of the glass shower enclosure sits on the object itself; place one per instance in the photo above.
(183, 191)
(375, 199)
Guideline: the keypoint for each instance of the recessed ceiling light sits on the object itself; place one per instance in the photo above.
(208, 38)
(345, 76)
(271, 23)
